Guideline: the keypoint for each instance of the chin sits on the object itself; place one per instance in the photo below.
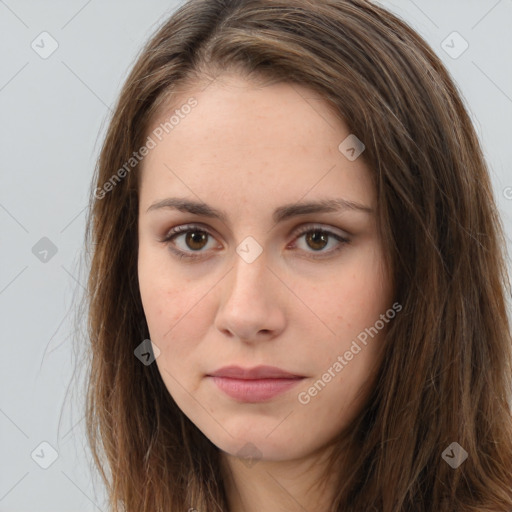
(251, 441)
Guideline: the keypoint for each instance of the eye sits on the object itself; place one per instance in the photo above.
(197, 238)
(317, 238)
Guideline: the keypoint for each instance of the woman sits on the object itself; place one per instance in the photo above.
(297, 289)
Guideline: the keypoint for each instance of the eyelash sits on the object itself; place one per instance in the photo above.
(179, 230)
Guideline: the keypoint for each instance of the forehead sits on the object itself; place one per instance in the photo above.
(258, 140)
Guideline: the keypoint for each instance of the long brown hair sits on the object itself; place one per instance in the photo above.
(446, 374)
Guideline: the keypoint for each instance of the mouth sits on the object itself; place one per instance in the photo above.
(257, 384)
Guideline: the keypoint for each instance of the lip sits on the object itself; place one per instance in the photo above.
(258, 372)
(257, 384)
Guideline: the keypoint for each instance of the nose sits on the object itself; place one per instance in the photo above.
(251, 307)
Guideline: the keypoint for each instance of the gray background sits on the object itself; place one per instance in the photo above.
(54, 112)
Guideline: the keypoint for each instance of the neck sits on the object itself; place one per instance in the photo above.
(279, 486)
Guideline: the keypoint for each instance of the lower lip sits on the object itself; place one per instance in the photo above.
(254, 390)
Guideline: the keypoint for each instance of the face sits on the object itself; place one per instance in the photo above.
(254, 278)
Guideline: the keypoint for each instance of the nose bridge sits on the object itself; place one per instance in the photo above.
(248, 304)
(250, 273)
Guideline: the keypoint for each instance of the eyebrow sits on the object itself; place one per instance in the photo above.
(280, 214)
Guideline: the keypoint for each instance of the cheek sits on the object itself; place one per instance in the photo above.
(361, 298)
(170, 303)
(175, 321)
(355, 296)
(160, 303)
(174, 316)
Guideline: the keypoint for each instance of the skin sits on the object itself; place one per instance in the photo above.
(248, 149)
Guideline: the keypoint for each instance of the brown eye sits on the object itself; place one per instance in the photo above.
(196, 240)
(186, 240)
(317, 239)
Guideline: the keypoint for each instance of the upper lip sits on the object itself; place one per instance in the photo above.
(258, 372)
